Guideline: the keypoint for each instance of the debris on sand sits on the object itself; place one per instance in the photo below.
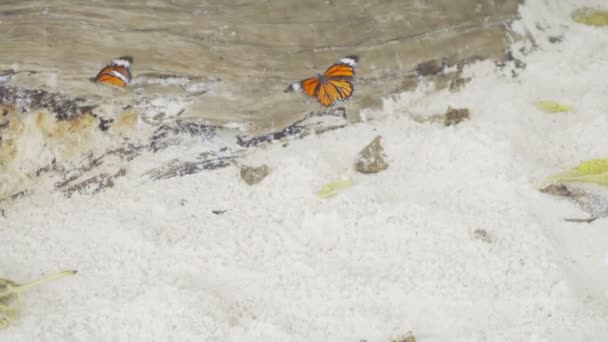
(591, 17)
(408, 338)
(548, 106)
(27, 100)
(590, 171)
(591, 198)
(253, 175)
(312, 123)
(11, 295)
(96, 183)
(585, 184)
(482, 235)
(454, 116)
(331, 189)
(371, 158)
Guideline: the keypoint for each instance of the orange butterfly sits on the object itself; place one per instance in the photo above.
(117, 73)
(336, 84)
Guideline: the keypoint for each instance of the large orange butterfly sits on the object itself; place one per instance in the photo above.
(336, 84)
(117, 73)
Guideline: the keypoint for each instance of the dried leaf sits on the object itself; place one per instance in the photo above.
(331, 189)
(552, 107)
(10, 296)
(590, 171)
(591, 17)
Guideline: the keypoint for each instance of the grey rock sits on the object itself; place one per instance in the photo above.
(482, 234)
(371, 158)
(253, 175)
(590, 198)
(454, 116)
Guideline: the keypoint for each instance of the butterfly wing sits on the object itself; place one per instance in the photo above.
(113, 75)
(308, 86)
(344, 88)
(333, 91)
(126, 62)
(344, 68)
(327, 95)
(112, 78)
(339, 81)
(118, 73)
(336, 84)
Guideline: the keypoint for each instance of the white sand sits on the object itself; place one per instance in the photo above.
(394, 253)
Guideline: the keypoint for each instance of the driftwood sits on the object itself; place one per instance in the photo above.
(201, 67)
(27, 100)
(255, 47)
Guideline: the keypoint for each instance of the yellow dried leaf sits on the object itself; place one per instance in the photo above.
(552, 107)
(591, 17)
(592, 167)
(590, 171)
(10, 296)
(331, 189)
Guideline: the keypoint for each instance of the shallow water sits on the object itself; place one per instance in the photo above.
(242, 53)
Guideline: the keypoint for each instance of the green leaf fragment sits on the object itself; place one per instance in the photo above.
(552, 107)
(592, 167)
(10, 295)
(591, 17)
(331, 189)
(590, 171)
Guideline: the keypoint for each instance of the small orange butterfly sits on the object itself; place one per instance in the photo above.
(117, 73)
(336, 84)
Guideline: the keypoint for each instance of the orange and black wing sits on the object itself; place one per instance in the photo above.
(309, 86)
(334, 91)
(113, 75)
(338, 85)
(345, 68)
(118, 73)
